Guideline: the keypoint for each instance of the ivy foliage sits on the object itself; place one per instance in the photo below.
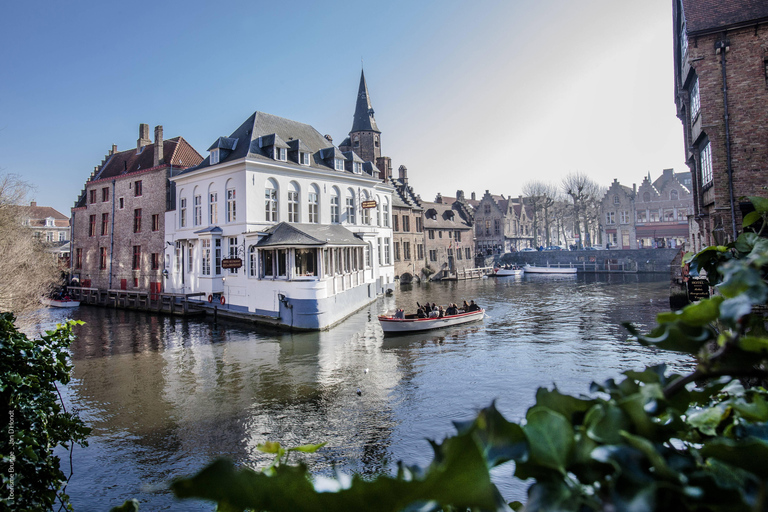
(649, 440)
(34, 420)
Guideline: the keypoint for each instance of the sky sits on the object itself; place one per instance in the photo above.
(469, 95)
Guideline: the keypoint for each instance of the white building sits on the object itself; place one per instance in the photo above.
(272, 224)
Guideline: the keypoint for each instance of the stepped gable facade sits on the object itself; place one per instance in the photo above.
(655, 214)
(407, 230)
(502, 224)
(118, 221)
(721, 90)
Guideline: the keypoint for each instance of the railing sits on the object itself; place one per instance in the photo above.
(161, 302)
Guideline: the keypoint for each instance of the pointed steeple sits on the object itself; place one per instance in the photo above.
(363, 121)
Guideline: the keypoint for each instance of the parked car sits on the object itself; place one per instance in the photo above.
(528, 249)
(553, 248)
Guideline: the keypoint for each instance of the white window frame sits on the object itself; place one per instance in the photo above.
(349, 202)
(198, 203)
(695, 100)
(338, 164)
(293, 206)
(280, 154)
(610, 218)
(270, 203)
(705, 159)
(231, 205)
(205, 257)
(313, 206)
(214, 156)
(182, 212)
(303, 158)
(335, 206)
(213, 204)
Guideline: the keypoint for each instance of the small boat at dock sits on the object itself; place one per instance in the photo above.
(411, 323)
(529, 269)
(61, 302)
(511, 271)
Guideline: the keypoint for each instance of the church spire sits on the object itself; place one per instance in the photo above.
(363, 121)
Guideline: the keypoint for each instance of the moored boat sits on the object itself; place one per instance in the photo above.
(64, 302)
(502, 271)
(529, 269)
(392, 325)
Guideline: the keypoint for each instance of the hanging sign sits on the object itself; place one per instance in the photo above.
(368, 204)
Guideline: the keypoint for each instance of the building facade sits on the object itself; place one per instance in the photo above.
(653, 215)
(448, 239)
(46, 223)
(118, 222)
(277, 222)
(502, 224)
(407, 230)
(721, 90)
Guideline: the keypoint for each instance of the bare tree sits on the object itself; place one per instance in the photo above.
(583, 192)
(541, 197)
(29, 271)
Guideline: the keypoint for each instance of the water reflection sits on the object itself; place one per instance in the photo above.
(165, 394)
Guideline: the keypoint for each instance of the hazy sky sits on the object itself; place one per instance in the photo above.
(468, 95)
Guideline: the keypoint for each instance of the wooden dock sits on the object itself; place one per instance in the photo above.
(168, 303)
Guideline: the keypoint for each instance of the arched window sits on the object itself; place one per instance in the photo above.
(231, 201)
(366, 212)
(213, 206)
(270, 201)
(293, 202)
(350, 206)
(335, 207)
(197, 217)
(673, 195)
(313, 204)
(616, 199)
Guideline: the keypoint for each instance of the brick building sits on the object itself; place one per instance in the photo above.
(407, 230)
(448, 240)
(721, 93)
(118, 222)
(655, 214)
(503, 224)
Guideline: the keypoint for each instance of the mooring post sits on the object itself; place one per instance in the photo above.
(215, 314)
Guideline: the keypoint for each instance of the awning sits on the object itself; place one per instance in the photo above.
(291, 235)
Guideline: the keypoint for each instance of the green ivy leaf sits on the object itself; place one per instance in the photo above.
(751, 218)
(753, 344)
(707, 420)
(749, 454)
(604, 423)
(550, 437)
(499, 439)
(653, 455)
(760, 203)
(571, 407)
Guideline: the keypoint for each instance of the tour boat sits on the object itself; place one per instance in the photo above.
(509, 271)
(392, 325)
(64, 302)
(529, 269)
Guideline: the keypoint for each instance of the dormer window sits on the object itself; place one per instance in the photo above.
(304, 158)
(280, 154)
(338, 164)
(357, 167)
(214, 156)
(49, 222)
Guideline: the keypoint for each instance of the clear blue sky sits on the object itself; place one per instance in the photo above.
(469, 95)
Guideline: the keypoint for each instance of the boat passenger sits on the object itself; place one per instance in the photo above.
(473, 306)
(465, 306)
(440, 312)
(452, 310)
(420, 313)
(400, 313)
(433, 313)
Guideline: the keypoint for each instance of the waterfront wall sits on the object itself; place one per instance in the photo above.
(631, 260)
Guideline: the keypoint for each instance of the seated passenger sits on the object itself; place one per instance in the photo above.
(452, 310)
(473, 306)
(420, 313)
(433, 313)
(400, 313)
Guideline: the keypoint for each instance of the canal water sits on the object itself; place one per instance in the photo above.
(166, 395)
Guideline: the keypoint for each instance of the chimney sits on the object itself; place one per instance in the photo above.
(328, 138)
(473, 196)
(384, 164)
(158, 145)
(143, 137)
(403, 174)
(114, 149)
(439, 198)
(33, 204)
(460, 195)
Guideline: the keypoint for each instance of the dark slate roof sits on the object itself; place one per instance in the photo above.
(224, 143)
(447, 217)
(274, 129)
(297, 145)
(351, 155)
(215, 230)
(285, 234)
(707, 15)
(363, 121)
(403, 195)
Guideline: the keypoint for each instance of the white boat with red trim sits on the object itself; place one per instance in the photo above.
(411, 323)
(64, 302)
